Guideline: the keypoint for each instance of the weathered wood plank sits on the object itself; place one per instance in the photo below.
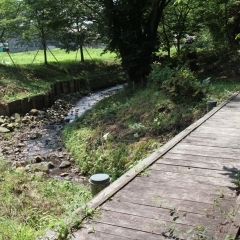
(161, 214)
(213, 141)
(235, 226)
(189, 180)
(155, 190)
(227, 164)
(145, 224)
(125, 232)
(222, 125)
(184, 148)
(223, 174)
(230, 167)
(83, 234)
(173, 203)
(210, 130)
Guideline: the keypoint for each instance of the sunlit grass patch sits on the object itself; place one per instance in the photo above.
(29, 205)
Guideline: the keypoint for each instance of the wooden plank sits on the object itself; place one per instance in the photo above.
(155, 190)
(173, 203)
(228, 165)
(184, 148)
(235, 226)
(225, 113)
(225, 162)
(213, 141)
(224, 118)
(84, 234)
(222, 125)
(162, 214)
(219, 134)
(223, 174)
(189, 180)
(223, 141)
(211, 130)
(124, 232)
(145, 224)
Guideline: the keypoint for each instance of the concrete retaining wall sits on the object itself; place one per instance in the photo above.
(40, 101)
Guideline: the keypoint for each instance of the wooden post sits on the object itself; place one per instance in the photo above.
(211, 104)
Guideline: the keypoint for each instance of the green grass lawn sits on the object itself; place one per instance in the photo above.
(54, 55)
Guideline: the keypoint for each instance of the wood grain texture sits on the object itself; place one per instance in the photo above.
(117, 231)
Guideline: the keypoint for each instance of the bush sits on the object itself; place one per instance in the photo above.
(183, 85)
(158, 75)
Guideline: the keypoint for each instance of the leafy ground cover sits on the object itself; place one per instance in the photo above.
(29, 204)
(124, 128)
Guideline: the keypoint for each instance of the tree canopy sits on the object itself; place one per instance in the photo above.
(136, 30)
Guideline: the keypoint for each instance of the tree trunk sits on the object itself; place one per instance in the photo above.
(44, 44)
(81, 53)
(133, 34)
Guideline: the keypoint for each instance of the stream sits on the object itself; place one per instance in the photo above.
(37, 146)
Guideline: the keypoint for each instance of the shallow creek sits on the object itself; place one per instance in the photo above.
(39, 147)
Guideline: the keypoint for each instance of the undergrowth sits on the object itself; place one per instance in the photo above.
(29, 205)
(121, 130)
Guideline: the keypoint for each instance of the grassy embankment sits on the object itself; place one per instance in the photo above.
(113, 136)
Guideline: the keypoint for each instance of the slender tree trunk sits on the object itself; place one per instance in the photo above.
(45, 52)
(81, 53)
(44, 44)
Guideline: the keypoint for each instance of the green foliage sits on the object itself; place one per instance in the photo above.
(121, 130)
(180, 83)
(158, 75)
(29, 205)
(184, 86)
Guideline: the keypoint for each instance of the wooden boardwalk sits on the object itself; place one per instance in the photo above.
(186, 189)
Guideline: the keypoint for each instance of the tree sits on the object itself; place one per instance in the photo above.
(9, 18)
(41, 19)
(178, 21)
(78, 27)
(131, 27)
(222, 19)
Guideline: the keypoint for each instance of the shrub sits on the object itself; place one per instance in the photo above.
(184, 86)
(158, 75)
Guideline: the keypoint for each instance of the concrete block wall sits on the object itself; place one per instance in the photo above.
(40, 101)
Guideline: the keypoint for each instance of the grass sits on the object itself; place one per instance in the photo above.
(26, 80)
(54, 55)
(29, 205)
(121, 130)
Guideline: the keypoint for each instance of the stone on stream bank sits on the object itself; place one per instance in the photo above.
(4, 130)
(32, 142)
